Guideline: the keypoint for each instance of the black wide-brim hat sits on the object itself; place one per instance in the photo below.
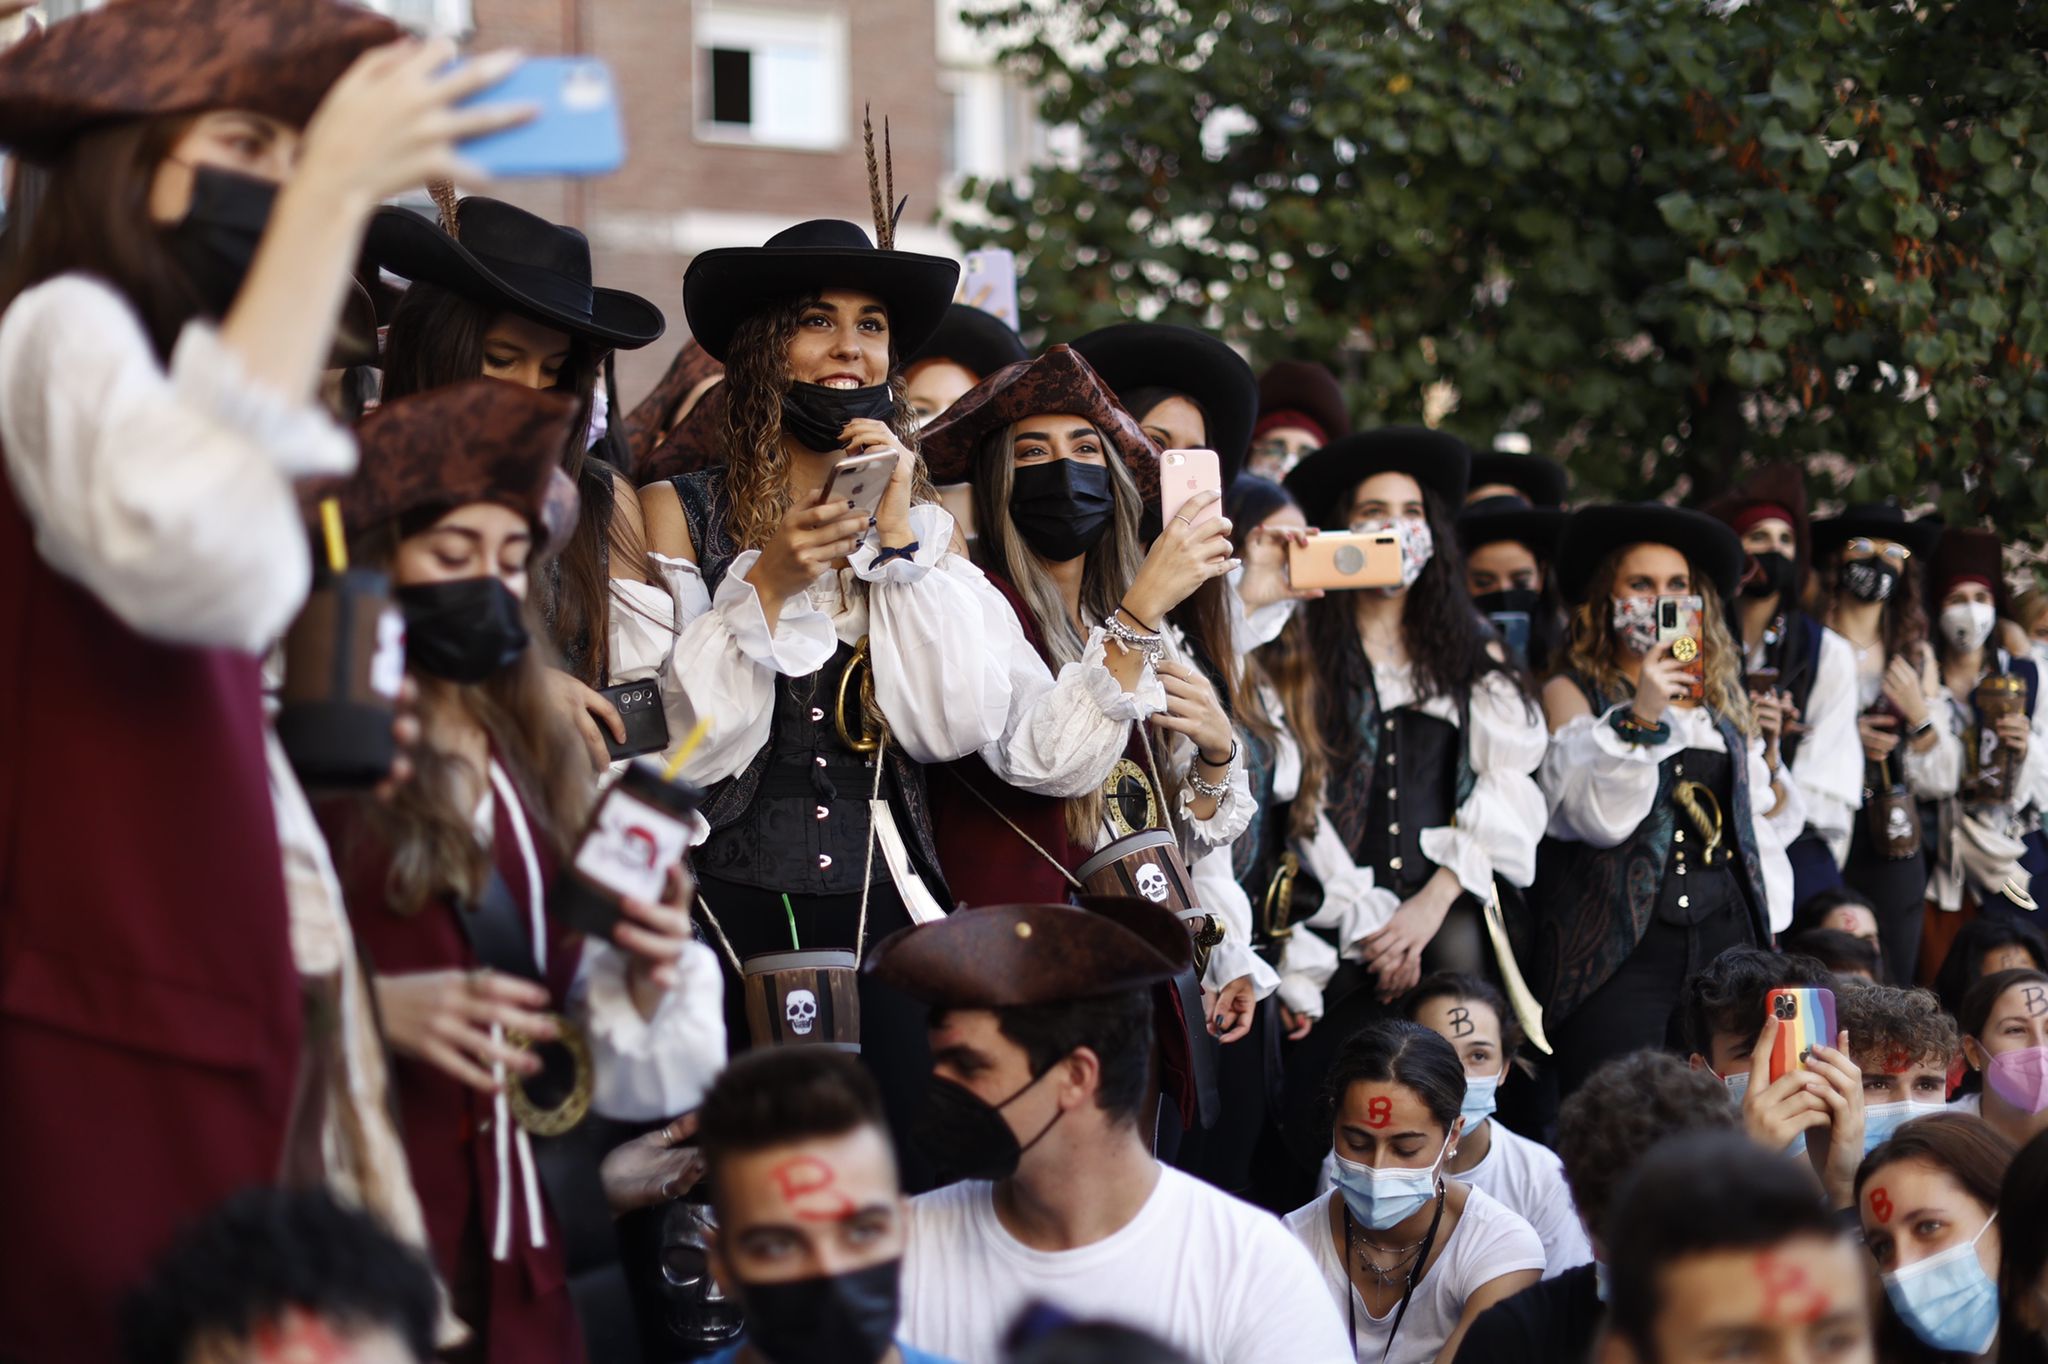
(1541, 481)
(1593, 533)
(726, 286)
(1493, 520)
(1137, 355)
(1877, 521)
(504, 256)
(976, 340)
(1437, 460)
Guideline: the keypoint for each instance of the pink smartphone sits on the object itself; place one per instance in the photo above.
(1182, 475)
(861, 480)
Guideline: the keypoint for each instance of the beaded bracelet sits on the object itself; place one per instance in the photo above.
(1214, 790)
(1634, 731)
(1151, 646)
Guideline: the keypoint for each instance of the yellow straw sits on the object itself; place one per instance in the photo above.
(696, 736)
(330, 525)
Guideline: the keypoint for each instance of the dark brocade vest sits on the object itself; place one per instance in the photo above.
(796, 817)
(1260, 860)
(1795, 653)
(1409, 771)
(1595, 904)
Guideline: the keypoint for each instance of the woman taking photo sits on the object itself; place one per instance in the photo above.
(1988, 701)
(790, 609)
(448, 882)
(1870, 559)
(165, 311)
(499, 292)
(1432, 739)
(1668, 810)
(1928, 1201)
(1412, 1256)
(2005, 1039)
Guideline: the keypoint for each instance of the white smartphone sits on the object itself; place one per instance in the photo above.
(861, 480)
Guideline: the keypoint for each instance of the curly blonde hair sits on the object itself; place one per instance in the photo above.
(1595, 648)
(756, 381)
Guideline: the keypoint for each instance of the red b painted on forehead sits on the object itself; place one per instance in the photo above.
(807, 1183)
(1789, 1296)
(1881, 1205)
(1379, 1112)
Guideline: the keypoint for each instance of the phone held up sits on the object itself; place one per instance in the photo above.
(576, 131)
(1806, 1019)
(861, 480)
(1340, 560)
(1681, 624)
(1185, 475)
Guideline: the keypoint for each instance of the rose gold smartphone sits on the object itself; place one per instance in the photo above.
(1681, 623)
(1183, 474)
(1339, 560)
(861, 480)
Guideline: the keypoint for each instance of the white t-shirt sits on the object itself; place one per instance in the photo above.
(1528, 1179)
(1972, 1104)
(1488, 1241)
(1218, 1278)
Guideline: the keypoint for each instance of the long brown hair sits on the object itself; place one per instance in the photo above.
(90, 215)
(436, 338)
(756, 381)
(1286, 664)
(429, 825)
(1902, 622)
(1594, 645)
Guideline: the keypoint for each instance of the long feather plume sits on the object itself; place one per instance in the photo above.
(889, 182)
(883, 235)
(443, 193)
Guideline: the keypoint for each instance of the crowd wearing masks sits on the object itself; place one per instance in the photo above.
(909, 845)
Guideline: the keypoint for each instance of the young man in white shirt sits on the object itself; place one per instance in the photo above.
(1042, 1036)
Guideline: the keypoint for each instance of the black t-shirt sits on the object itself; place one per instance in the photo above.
(1552, 1322)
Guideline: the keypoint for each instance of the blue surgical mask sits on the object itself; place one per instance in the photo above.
(1738, 1086)
(1479, 1097)
(1380, 1199)
(1880, 1121)
(1948, 1299)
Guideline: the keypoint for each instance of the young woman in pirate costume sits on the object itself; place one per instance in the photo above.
(1508, 530)
(1668, 815)
(1871, 560)
(459, 493)
(499, 292)
(207, 167)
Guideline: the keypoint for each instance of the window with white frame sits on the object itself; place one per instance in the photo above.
(771, 77)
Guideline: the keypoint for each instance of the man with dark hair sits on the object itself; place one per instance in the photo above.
(1605, 1128)
(1844, 954)
(1041, 1104)
(1816, 1109)
(810, 1212)
(283, 1274)
(1720, 1251)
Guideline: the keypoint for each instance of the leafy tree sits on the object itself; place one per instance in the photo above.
(1662, 239)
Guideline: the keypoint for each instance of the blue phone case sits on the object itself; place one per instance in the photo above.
(577, 131)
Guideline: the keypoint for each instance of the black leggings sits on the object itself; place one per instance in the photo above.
(893, 1034)
(1897, 892)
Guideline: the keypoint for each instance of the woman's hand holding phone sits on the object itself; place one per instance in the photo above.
(867, 436)
(1265, 567)
(814, 540)
(1663, 680)
(1188, 552)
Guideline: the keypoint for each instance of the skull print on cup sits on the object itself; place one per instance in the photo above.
(800, 1007)
(1152, 883)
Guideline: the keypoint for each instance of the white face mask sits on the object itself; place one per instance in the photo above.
(1635, 624)
(1967, 624)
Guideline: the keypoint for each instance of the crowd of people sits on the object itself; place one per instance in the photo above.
(910, 846)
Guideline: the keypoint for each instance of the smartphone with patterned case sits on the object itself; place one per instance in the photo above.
(1681, 623)
(1806, 1019)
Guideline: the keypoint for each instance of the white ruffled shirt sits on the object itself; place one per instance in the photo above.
(1601, 788)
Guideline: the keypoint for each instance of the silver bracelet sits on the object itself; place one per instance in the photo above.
(1151, 646)
(1215, 790)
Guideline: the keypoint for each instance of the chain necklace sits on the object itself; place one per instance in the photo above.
(1388, 1274)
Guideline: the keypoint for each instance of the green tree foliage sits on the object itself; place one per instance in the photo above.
(1662, 240)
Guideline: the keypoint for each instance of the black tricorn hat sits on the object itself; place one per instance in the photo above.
(1492, 520)
(1059, 381)
(1437, 460)
(724, 287)
(1884, 520)
(976, 340)
(1003, 956)
(503, 255)
(1594, 532)
(1137, 355)
(1540, 481)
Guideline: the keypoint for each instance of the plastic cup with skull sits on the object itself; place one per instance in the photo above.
(806, 998)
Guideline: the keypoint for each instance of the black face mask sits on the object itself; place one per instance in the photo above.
(832, 1319)
(1773, 577)
(1062, 507)
(216, 239)
(1513, 613)
(461, 631)
(963, 1136)
(1869, 579)
(815, 414)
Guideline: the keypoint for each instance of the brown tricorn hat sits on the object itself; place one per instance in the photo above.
(482, 440)
(1059, 381)
(1005, 956)
(142, 58)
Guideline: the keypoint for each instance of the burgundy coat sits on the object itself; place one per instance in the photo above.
(521, 1306)
(149, 1005)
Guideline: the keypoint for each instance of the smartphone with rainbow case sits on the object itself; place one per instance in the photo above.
(1806, 1019)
